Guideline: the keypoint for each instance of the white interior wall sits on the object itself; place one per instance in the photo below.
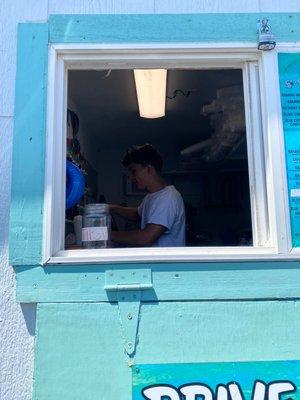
(16, 322)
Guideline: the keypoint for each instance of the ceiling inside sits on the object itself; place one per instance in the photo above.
(108, 105)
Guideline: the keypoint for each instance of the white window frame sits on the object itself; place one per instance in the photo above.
(266, 158)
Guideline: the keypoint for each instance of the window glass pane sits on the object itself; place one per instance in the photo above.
(202, 141)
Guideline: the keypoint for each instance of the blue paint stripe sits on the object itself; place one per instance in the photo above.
(26, 219)
(169, 28)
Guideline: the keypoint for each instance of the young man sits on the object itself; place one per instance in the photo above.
(161, 212)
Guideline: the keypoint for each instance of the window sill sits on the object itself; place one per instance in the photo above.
(179, 254)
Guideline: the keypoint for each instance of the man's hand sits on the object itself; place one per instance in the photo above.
(139, 238)
(129, 213)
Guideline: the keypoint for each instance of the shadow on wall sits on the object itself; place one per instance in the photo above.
(29, 313)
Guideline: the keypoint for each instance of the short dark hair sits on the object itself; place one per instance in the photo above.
(144, 155)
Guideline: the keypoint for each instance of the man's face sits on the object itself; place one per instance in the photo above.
(139, 175)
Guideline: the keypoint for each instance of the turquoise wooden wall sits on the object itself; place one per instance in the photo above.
(80, 355)
(170, 281)
(193, 312)
(28, 166)
(26, 220)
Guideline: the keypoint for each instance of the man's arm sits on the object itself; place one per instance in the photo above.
(140, 238)
(129, 213)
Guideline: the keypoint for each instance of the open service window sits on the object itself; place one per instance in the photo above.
(158, 156)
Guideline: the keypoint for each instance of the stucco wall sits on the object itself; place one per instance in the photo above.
(17, 323)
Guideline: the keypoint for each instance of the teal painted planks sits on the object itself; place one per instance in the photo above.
(173, 281)
(218, 331)
(26, 223)
(80, 354)
(26, 219)
(169, 28)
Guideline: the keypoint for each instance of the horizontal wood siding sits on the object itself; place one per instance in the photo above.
(80, 347)
(169, 28)
(171, 281)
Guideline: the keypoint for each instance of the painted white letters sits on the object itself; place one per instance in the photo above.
(259, 391)
(158, 392)
(222, 392)
(277, 388)
(235, 392)
(192, 392)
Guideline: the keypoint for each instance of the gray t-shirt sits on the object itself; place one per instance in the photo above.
(165, 207)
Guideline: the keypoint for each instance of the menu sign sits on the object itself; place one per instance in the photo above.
(289, 77)
(258, 380)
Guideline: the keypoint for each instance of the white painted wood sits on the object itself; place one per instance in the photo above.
(228, 6)
(75, 57)
(153, 55)
(287, 46)
(218, 55)
(12, 13)
(275, 159)
(206, 6)
(241, 47)
(16, 322)
(55, 210)
(179, 254)
(208, 254)
(256, 156)
(279, 6)
(101, 6)
(48, 238)
(73, 257)
(6, 130)
(170, 6)
(7, 73)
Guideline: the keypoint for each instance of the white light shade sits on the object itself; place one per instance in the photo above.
(151, 91)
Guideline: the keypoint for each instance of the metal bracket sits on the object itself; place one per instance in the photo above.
(129, 304)
(138, 279)
(128, 285)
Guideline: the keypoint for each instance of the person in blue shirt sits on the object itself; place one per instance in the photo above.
(161, 213)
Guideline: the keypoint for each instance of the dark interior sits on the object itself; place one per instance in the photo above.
(212, 179)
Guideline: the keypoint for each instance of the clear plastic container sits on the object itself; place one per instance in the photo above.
(96, 226)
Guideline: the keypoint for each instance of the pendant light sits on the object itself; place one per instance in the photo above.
(151, 92)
